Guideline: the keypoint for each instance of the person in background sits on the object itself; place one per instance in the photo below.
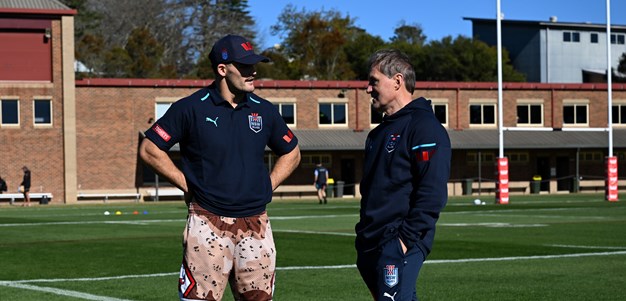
(25, 186)
(404, 184)
(321, 182)
(222, 131)
(3, 185)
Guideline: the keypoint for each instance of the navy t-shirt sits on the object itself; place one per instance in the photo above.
(222, 149)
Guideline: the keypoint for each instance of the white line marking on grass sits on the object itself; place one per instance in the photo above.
(526, 257)
(127, 222)
(321, 267)
(345, 266)
(144, 222)
(315, 232)
(311, 216)
(492, 225)
(61, 292)
(91, 279)
(585, 247)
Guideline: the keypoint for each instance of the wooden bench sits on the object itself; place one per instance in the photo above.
(165, 193)
(43, 197)
(106, 196)
(299, 191)
(597, 185)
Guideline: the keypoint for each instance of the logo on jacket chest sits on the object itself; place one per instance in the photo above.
(392, 142)
(255, 122)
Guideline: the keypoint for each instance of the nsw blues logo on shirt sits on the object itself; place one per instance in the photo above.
(392, 142)
(255, 122)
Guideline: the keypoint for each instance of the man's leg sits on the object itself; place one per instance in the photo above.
(208, 256)
(390, 274)
(255, 260)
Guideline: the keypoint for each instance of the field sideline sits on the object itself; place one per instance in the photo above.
(545, 247)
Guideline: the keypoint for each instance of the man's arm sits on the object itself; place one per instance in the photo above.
(162, 164)
(285, 165)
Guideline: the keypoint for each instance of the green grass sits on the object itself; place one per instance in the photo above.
(540, 247)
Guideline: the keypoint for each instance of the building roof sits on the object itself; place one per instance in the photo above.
(344, 140)
(318, 140)
(580, 25)
(33, 4)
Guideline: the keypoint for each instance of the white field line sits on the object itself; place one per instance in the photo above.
(144, 222)
(492, 225)
(21, 283)
(60, 292)
(585, 247)
(345, 266)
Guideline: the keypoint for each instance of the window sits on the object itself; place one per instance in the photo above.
(332, 114)
(288, 111)
(618, 39)
(309, 160)
(569, 36)
(482, 114)
(618, 114)
(591, 156)
(42, 111)
(530, 114)
(375, 116)
(161, 105)
(485, 157)
(441, 112)
(518, 157)
(10, 112)
(575, 114)
(594, 38)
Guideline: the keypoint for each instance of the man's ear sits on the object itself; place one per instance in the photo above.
(398, 80)
(221, 70)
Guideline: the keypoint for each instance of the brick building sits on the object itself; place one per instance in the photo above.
(81, 137)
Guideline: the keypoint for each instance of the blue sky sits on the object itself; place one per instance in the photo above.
(438, 18)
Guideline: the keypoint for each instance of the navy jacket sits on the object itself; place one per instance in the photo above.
(404, 185)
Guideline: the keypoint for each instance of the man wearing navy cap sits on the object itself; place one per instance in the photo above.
(222, 131)
(404, 185)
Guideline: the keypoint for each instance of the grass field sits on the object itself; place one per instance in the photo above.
(563, 247)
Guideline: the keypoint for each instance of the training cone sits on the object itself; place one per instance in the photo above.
(135, 212)
(118, 212)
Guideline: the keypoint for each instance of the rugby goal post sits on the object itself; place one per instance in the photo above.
(502, 177)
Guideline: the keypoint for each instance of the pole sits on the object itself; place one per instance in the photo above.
(611, 186)
(502, 183)
(500, 125)
(609, 76)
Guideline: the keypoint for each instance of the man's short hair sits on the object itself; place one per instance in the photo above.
(392, 61)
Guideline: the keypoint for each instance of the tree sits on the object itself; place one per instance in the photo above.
(314, 42)
(359, 49)
(185, 30)
(145, 54)
(621, 67)
(464, 59)
(410, 34)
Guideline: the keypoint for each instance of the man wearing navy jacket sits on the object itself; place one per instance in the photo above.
(404, 185)
(222, 131)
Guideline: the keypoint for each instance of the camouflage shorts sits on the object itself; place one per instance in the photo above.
(220, 250)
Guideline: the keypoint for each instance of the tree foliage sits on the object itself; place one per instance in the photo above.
(173, 38)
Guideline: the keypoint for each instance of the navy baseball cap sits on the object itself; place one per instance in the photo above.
(232, 48)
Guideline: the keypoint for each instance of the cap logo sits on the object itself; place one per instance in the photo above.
(224, 54)
(247, 46)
